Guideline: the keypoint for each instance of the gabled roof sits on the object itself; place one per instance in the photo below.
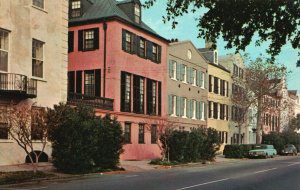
(208, 54)
(101, 10)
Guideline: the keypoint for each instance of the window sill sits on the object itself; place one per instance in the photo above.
(40, 9)
(6, 141)
(38, 79)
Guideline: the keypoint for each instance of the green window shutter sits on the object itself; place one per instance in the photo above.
(181, 106)
(205, 111)
(201, 78)
(205, 80)
(177, 106)
(171, 68)
(188, 75)
(170, 105)
(197, 110)
(178, 67)
(181, 72)
(201, 110)
(198, 78)
(188, 108)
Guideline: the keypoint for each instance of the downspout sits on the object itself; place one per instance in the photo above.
(104, 69)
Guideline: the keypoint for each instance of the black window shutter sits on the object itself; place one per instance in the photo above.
(158, 54)
(80, 40)
(134, 44)
(149, 96)
(159, 98)
(210, 83)
(136, 94)
(70, 41)
(71, 81)
(79, 82)
(96, 38)
(98, 82)
(123, 84)
(138, 38)
(149, 50)
(124, 40)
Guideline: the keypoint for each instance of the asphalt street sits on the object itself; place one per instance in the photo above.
(280, 173)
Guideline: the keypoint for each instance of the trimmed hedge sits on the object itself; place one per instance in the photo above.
(199, 144)
(237, 151)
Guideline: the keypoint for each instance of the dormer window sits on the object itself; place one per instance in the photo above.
(76, 8)
(215, 57)
(137, 13)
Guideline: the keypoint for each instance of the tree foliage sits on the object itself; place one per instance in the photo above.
(27, 126)
(239, 21)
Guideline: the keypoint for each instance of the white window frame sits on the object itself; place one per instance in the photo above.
(195, 77)
(5, 49)
(174, 100)
(203, 80)
(202, 113)
(194, 109)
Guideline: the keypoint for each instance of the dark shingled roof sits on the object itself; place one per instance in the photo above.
(208, 54)
(98, 10)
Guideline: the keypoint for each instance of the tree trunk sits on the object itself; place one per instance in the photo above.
(259, 123)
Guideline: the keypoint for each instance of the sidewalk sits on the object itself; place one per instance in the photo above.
(130, 166)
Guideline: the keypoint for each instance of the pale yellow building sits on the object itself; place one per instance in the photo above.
(219, 81)
(33, 62)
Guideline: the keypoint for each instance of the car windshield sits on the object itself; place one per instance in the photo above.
(260, 147)
(288, 146)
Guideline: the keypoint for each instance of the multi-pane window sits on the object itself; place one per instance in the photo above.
(215, 110)
(184, 107)
(210, 80)
(142, 47)
(235, 70)
(153, 105)
(139, 94)
(172, 105)
(154, 52)
(3, 130)
(38, 3)
(216, 85)
(75, 8)
(137, 13)
(153, 134)
(3, 50)
(141, 134)
(89, 83)
(172, 69)
(202, 82)
(128, 42)
(88, 39)
(127, 133)
(127, 89)
(37, 58)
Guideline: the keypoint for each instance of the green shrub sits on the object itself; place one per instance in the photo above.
(177, 145)
(233, 151)
(74, 140)
(197, 145)
(82, 142)
(109, 143)
(274, 139)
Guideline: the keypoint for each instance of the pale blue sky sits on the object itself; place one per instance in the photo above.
(187, 30)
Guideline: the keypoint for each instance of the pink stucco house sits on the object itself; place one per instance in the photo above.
(118, 65)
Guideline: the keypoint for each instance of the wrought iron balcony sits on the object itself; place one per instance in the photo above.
(16, 85)
(93, 101)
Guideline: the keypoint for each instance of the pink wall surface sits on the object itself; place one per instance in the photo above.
(116, 61)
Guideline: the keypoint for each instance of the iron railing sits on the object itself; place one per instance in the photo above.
(17, 84)
(93, 101)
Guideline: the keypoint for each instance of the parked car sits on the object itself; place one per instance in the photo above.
(289, 149)
(262, 150)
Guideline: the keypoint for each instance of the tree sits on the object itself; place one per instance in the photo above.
(294, 124)
(162, 129)
(264, 78)
(238, 21)
(27, 126)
